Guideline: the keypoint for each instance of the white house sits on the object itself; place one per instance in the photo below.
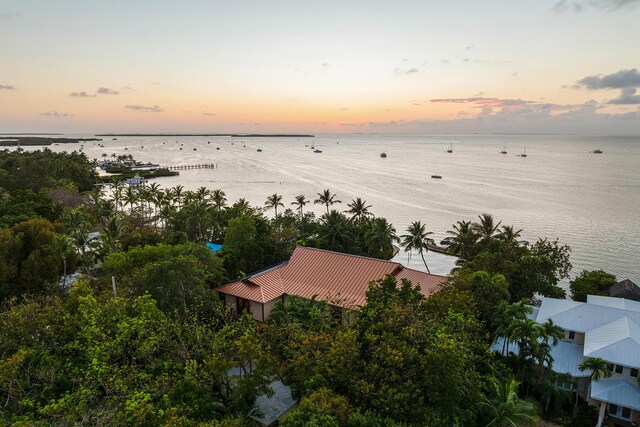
(603, 327)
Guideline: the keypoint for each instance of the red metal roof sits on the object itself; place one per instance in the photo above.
(341, 279)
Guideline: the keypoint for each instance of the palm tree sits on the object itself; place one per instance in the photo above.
(599, 368)
(111, 234)
(300, 202)
(486, 228)
(242, 206)
(200, 213)
(379, 238)
(219, 199)
(508, 234)
(359, 210)
(417, 237)
(202, 194)
(334, 228)
(273, 201)
(505, 408)
(327, 199)
(463, 240)
(177, 194)
(62, 246)
(131, 198)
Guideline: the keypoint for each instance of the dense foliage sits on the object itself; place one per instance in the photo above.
(163, 349)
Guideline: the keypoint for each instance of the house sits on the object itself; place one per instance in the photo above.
(625, 289)
(340, 279)
(603, 327)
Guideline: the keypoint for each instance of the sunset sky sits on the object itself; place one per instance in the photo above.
(568, 66)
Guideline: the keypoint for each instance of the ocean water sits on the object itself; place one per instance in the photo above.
(560, 190)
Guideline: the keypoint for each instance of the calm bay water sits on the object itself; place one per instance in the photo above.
(560, 190)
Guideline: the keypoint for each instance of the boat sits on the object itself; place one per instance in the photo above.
(597, 151)
(450, 150)
(317, 151)
(217, 148)
(436, 176)
(504, 150)
(446, 241)
(195, 149)
(114, 139)
(383, 155)
(524, 153)
(259, 150)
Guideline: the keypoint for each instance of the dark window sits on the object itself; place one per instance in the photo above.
(613, 409)
(619, 369)
(610, 366)
(634, 372)
(626, 413)
(572, 335)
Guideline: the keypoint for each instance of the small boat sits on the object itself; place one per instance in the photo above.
(195, 149)
(208, 142)
(259, 150)
(142, 146)
(125, 148)
(217, 148)
(504, 150)
(317, 151)
(180, 148)
(436, 176)
(446, 241)
(597, 151)
(383, 155)
(114, 139)
(450, 150)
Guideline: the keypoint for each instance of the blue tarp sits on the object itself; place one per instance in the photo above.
(214, 247)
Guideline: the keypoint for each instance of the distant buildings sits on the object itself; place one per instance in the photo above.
(340, 279)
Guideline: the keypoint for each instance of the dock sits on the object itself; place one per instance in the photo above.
(187, 167)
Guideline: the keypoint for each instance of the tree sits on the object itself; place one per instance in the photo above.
(273, 201)
(379, 238)
(600, 368)
(335, 230)
(300, 202)
(417, 238)
(505, 408)
(327, 199)
(359, 210)
(596, 282)
(63, 247)
(463, 241)
(219, 199)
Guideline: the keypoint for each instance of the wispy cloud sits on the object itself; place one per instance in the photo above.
(581, 5)
(55, 114)
(205, 113)
(107, 91)
(152, 109)
(405, 71)
(7, 87)
(81, 95)
(7, 16)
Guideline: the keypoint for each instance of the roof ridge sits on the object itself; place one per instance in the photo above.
(351, 255)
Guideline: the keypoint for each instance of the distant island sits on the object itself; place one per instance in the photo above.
(10, 141)
(231, 135)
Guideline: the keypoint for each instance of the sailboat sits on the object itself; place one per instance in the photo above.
(524, 153)
(504, 150)
(450, 150)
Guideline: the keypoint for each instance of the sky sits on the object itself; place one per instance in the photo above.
(297, 66)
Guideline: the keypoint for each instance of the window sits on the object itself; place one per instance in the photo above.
(619, 369)
(572, 335)
(619, 411)
(634, 372)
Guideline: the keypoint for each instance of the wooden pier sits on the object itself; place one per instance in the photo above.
(187, 167)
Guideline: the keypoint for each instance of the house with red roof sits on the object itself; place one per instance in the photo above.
(340, 279)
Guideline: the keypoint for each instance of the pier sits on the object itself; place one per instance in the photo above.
(187, 167)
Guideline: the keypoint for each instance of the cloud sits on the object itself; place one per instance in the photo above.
(81, 95)
(204, 113)
(405, 71)
(8, 15)
(619, 80)
(128, 88)
(7, 87)
(627, 97)
(55, 115)
(581, 5)
(107, 91)
(625, 80)
(152, 109)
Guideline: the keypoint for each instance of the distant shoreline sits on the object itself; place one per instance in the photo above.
(232, 135)
(16, 141)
